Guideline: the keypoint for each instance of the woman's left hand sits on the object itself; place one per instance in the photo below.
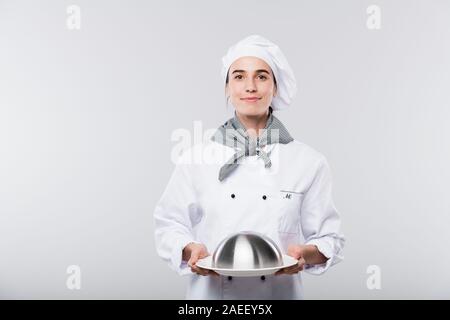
(295, 251)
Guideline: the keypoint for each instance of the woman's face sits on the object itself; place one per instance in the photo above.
(251, 86)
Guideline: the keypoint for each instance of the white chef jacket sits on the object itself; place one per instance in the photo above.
(291, 202)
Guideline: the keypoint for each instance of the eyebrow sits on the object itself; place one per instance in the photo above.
(257, 71)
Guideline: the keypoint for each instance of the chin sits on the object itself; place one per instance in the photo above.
(251, 110)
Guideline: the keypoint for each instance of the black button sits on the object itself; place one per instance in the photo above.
(232, 195)
(230, 277)
(263, 278)
(257, 152)
(264, 197)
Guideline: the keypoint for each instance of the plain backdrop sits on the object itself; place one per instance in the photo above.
(86, 118)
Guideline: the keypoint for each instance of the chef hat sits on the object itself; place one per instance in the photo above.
(257, 46)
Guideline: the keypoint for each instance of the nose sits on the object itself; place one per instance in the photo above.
(250, 86)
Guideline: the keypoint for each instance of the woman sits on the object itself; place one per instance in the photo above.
(260, 179)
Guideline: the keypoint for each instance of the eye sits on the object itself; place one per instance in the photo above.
(262, 77)
(238, 77)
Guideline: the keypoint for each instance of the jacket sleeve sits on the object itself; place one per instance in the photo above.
(173, 216)
(320, 220)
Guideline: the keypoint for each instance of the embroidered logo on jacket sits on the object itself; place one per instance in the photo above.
(288, 194)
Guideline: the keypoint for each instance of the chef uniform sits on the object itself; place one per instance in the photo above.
(280, 187)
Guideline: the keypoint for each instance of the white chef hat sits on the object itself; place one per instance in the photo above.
(257, 46)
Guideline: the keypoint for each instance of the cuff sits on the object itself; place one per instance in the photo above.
(327, 250)
(180, 266)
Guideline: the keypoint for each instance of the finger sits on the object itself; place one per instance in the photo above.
(195, 268)
(301, 263)
(298, 267)
(289, 269)
(210, 272)
(284, 272)
(281, 271)
(200, 271)
(291, 250)
(193, 259)
(292, 271)
(295, 269)
(294, 251)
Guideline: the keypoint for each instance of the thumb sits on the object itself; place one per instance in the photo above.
(203, 254)
(194, 257)
(295, 251)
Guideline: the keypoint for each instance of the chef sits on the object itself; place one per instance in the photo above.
(257, 178)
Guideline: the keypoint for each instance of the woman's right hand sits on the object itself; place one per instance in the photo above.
(193, 252)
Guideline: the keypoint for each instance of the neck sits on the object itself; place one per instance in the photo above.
(254, 123)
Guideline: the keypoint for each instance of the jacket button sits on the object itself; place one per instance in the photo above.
(230, 277)
(264, 197)
(263, 278)
(232, 195)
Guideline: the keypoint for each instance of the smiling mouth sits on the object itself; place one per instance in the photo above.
(250, 99)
